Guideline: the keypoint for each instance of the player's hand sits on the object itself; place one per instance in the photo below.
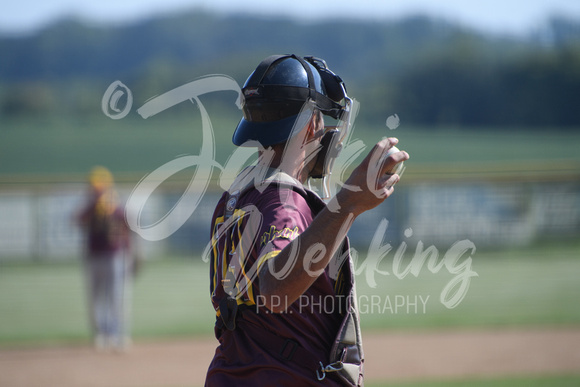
(371, 183)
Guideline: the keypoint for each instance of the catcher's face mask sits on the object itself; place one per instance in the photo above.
(331, 142)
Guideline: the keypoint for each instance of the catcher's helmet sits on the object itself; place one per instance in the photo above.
(277, 90)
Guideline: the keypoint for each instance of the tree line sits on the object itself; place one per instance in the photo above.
(428, 71)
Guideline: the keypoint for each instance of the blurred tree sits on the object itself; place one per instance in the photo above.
(36, 98)
(428, 71)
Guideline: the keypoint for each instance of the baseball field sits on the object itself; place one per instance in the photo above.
(519, 324)
(492, 188)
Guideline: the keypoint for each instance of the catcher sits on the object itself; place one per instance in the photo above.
(282, 282)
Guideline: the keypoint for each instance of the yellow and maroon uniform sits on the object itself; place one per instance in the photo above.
(265, 348)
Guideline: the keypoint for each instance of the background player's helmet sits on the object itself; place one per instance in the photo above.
(276, 92)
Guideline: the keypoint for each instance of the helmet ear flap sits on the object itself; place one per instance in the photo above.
(330, 147)
(333, 84)
(335, 89)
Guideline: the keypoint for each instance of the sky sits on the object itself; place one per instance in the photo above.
(496, 16)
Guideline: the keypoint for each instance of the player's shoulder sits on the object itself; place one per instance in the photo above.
(276, 195)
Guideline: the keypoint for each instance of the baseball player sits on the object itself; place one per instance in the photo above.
(282, 282)
(108, 264)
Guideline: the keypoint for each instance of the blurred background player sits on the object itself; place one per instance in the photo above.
(108, 262)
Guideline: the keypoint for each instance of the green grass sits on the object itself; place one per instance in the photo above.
(65, 146)
(479, 145)
(45, 302)
(540, 381)
(171, 297)
(41, 302)
(69, 145)
(529, 286)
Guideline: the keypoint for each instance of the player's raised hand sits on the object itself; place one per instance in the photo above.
(372, 181)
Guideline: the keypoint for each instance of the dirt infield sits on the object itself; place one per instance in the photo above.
(389, 356)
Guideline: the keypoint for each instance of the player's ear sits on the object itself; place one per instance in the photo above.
(315, 124)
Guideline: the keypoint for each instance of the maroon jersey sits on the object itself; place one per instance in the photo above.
(104, 224)
(262, 223)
